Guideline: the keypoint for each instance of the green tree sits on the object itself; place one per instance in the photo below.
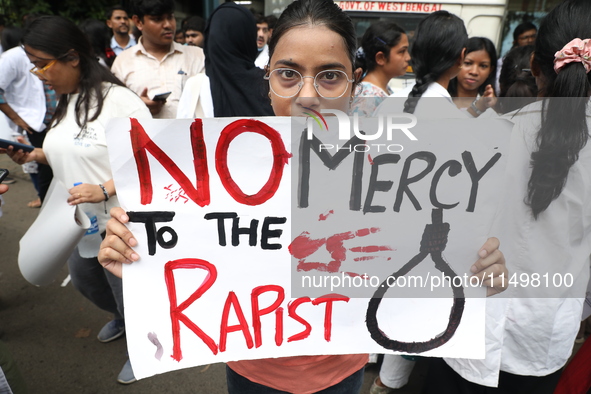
(76, 10)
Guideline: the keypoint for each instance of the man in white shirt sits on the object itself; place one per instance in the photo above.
(118, 22)
(263, 35)
(157, 65)
(23, 92)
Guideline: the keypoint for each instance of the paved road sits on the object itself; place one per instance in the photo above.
(52, 330)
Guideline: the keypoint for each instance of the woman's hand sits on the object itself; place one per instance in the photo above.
(488, 99)
(19, 156)
(85, 193)
(116, 248)
(490, 268)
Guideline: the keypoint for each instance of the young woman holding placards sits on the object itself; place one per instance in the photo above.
(312, 54)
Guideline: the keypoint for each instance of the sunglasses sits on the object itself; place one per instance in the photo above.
(40, 72)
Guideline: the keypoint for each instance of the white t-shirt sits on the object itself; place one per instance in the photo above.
(77, 155)
(196, 100)
(525, 335)
(22, 90)
(263, 58)
(435, 103)
(535, 336)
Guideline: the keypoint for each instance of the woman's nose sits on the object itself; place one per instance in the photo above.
(308, 96)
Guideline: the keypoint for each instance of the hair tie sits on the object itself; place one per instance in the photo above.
(575, 51)
(360, 54)
(382, 41)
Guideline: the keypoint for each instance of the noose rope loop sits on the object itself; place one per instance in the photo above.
(433, 243)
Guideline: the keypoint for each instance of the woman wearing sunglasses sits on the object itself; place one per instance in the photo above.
(75, 147)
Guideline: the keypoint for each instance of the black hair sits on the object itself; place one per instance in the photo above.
(259, 18)
(316, 12)
(522, 28)
(60, 38)
(381, 36)
(98, 36)
(438, 43)
(141, 8)
(564, 130)
(137, 33)
(11, 37)
(196, 23)
(29, 18)
(516, 80)
(2, 20)
(271, 21)
(475, 44)
(114, 8)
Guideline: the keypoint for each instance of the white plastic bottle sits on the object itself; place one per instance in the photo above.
(91, 241)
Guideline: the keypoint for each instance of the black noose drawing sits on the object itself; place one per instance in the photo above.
(433, 243)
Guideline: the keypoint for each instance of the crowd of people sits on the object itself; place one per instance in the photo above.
(237, 64)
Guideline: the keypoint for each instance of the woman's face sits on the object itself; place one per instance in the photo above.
(310, 50)
(398, 59)
(63, 76)
(475, 70)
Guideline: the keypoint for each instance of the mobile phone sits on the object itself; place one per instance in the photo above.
(161, 96)
(3, 174)
(16, 145)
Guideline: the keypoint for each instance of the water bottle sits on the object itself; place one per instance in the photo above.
(91, 241)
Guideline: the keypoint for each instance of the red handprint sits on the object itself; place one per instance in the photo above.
(303, 246)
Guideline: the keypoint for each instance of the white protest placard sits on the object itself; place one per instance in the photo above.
(238, 220)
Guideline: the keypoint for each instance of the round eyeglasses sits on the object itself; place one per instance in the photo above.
(330, 84)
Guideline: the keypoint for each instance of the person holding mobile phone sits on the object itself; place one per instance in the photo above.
(161, 97)
(157, 64)
(76, 148)
(24, 105)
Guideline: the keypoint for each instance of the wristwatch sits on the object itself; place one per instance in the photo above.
(475, 108)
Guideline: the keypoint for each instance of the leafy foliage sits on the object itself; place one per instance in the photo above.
(76, 10)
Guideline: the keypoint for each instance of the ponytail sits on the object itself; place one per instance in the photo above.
(439, 40)
(561, 137)
(360, 61)
(417, 91)
(564, 131)
(381, 36)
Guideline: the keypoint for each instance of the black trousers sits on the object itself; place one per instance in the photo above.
(442, 379)
(44, 171)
